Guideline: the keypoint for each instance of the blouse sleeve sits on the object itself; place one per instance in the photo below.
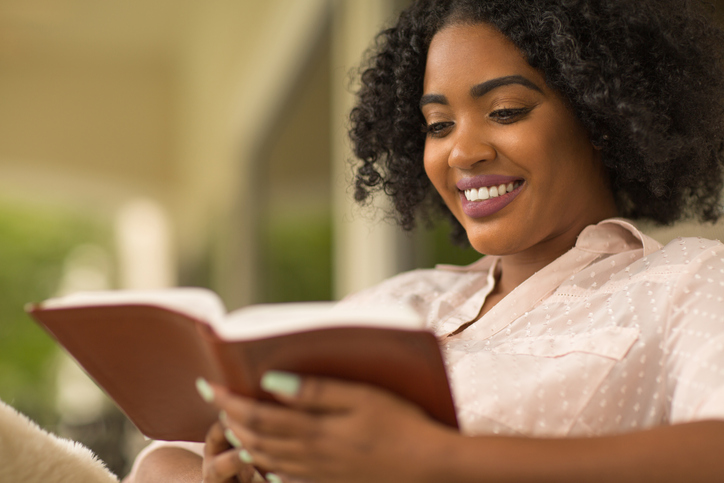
(196, 448)
(695, 342)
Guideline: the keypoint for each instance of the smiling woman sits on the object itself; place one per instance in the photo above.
(578, 349)
(489, 125)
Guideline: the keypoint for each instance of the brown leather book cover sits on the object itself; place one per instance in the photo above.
(148, 357)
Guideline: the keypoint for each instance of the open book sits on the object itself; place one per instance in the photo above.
(146, 349)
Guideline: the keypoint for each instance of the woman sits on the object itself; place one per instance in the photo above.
(578, 349)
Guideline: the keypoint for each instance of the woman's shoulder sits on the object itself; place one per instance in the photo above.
(689, 255)
(676, 266)
(642, 253)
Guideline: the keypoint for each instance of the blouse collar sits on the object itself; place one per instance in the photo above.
(613, 235)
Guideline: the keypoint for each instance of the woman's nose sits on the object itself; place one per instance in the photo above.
(469, 148)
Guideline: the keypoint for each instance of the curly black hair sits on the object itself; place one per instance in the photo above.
(644, 77)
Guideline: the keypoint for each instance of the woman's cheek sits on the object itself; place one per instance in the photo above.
(435, 167)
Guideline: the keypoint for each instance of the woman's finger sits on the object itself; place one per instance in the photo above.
(265, 418)
(216, 442)
(223, 468)
(222, 460)
(265, 450)
(322, 394)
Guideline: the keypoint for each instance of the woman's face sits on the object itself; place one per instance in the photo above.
(504, 151)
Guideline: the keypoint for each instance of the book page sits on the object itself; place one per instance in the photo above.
(258, 321)
(199, 303)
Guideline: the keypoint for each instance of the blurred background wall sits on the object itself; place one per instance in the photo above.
(152, 143)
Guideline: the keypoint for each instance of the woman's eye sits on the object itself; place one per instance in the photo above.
(509, 116)
(437, 129)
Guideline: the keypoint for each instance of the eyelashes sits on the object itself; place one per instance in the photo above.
(508, 116)
(500, 116)
(437, 129)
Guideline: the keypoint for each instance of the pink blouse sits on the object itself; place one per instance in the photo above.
(617, 334)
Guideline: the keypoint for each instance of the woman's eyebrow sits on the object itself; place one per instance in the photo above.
(433, 99)
(483, 88)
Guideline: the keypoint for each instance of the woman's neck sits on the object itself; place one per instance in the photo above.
(516, 268)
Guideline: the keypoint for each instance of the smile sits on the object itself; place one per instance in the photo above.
(484, 193)
(482, 196)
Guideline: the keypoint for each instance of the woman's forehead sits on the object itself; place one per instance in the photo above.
(474, 53)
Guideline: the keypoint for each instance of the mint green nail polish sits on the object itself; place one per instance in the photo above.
(231, 438)
(207, 394)
(223, 417)
(273, 478)
(280, 382)
(245, 456)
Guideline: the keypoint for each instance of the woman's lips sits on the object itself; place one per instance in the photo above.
(488, 194)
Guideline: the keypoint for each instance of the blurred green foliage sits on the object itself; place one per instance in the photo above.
(33, 245)
(297, 257)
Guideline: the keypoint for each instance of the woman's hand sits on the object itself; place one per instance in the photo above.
(222, 463)
(328, 430)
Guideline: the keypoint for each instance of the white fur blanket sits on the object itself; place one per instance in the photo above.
(28, 455)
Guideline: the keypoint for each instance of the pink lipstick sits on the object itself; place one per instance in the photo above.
(484, 195)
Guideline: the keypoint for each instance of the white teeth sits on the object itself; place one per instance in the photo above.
(485, 192)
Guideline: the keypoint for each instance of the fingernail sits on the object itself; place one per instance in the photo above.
(207, 394)
(245, 456)
(231, 438)
(279, 382)
(273, 478)
(223, 417)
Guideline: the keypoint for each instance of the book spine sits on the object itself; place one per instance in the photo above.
(232, 362)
